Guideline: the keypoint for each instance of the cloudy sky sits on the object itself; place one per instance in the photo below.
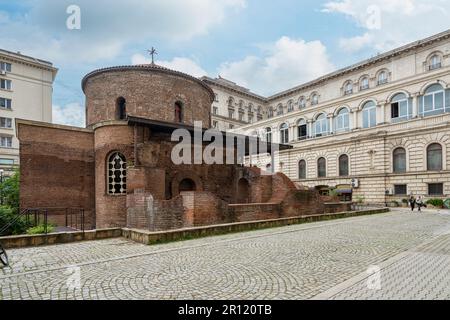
(264, 45)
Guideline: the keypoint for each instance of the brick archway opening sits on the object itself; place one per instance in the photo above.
(243, 195)
(187, 185)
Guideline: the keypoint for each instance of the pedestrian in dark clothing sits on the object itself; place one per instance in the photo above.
(412, 202)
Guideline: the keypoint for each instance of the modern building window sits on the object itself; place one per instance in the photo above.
(400, 109)
(348, 88)
(269, 135)
(284, 133)
(302, 103)
(121, 108)
(302, 129)
(5, 141)
(382, 78)
(401, 190)
(4, 66)
(321, 168)
(369, 113)
(280, 110)
(7, 162)
(364, 85)
(5, 123)
(342, 120)
(5, 84)
(302, 169)
(5, 103)
(435, 62)
(344, 166)
(433, 100)
(290, 106)
(399, 160)
(436, 189)
(117, 174)
(321, 125)
(314, 99)
(434, 157)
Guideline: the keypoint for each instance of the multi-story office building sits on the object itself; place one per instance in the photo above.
(26, 86)
(378, 130)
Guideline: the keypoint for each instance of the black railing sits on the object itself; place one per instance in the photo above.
(72, 218)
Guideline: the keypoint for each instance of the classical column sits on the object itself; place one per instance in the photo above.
(310, 128)
(415, 105)
(330, 123)
(354, 112)
(381, 113)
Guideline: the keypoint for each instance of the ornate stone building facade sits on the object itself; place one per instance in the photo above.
(377, 131)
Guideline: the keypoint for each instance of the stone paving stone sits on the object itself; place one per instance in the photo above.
(295, 262)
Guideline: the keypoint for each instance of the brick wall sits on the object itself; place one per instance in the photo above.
(57, 168)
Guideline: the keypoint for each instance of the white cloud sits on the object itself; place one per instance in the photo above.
(387, 24)
(72, 114)
(285, 63)
(185, 65)
(107, 26)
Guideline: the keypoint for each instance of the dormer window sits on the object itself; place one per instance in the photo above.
(348, 88)
(435, 62)
(382, 77)
(314, 99)
(364, 84)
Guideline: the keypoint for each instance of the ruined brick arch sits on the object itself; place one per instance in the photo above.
(185, 177)
(244, 191)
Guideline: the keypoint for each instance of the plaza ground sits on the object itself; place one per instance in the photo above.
(324, 260)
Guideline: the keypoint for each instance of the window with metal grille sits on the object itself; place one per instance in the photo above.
(436, 189)
(401, 189)
(117, 174)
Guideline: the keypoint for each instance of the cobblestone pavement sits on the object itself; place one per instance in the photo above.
(324, 259)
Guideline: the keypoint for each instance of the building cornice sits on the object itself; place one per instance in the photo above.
(234, 89)
(27, 60)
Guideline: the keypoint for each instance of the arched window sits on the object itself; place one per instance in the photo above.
(434, 157)
(321, 125)
(178, 112)
(314, 99)
(121, 108)
(343, 166)
(433, 100)
(290, 106)
(369, 113)
(342, 120)
(364, 85)
(187, 185)
(302, 103)
(348, 88)
(400, 109)
(302, 169)
(269, 135)
(382, 77)
(399, 160)
(279, 110)
(321, 168)
(435, 62)
(302, 129)
(270, 113)
(117, 174)
(284, 133)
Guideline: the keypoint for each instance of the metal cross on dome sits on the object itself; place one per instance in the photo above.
(153, 52)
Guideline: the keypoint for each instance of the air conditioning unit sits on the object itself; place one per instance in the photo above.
(355, 183)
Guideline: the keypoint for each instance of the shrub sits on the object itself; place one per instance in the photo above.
(9, 191)
(360, 199)
(405, 201)
(40, 229)
(438, 203)
(7, 216)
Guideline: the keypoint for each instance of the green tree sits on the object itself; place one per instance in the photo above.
(9, 192)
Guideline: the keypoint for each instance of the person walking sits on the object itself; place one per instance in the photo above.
(412, 202)
(419, 203)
